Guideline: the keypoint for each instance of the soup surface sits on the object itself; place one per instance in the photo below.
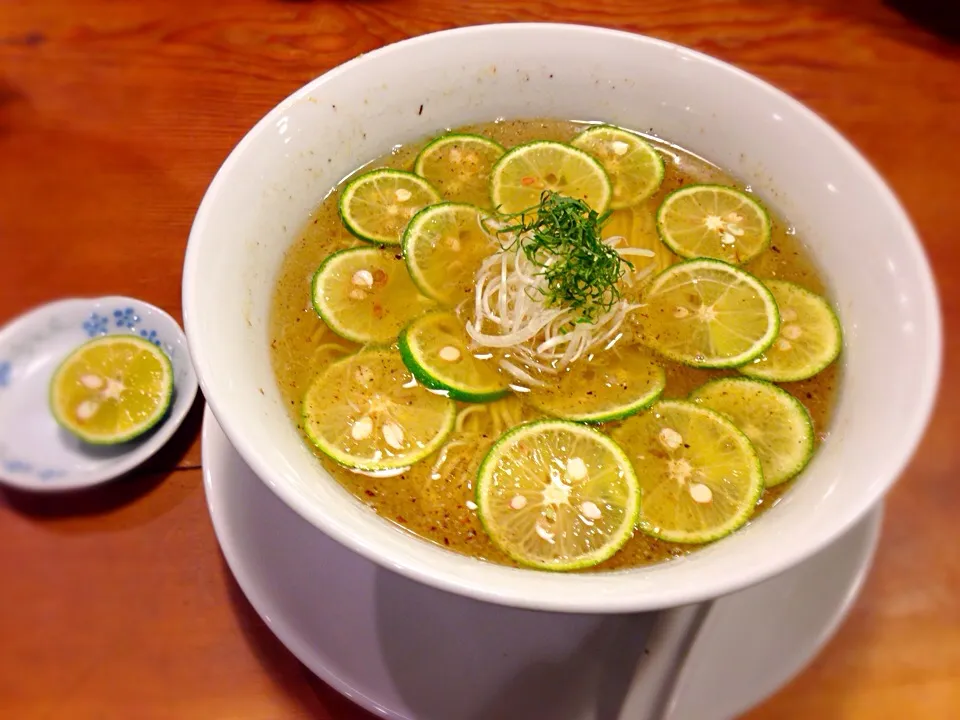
(435, 497)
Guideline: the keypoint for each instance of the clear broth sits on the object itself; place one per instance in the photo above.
(436, 509)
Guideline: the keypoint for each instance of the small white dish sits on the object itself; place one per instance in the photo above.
(409, 652)
(36, 454)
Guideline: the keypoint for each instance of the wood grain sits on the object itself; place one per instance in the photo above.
(113, 119)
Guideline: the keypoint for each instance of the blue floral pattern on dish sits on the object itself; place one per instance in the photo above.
(151, 336)
(17, 466)
(126, 318)
(12, 465)
(123, 319)
(95, 325)
(5, 370)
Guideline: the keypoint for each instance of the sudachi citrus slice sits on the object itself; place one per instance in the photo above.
(809, 338)
(606, 386)
(713, 221)
(365, 294)
(459, 166)
(444, 245)
(634, 167)
(778, 425)
(700, 478)
(436, 349)
(522, 175)
(112, 389)
(367, 412)
(377, 205)
(708, 313)
(557, 495)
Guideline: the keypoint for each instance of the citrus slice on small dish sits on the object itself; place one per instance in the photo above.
(365, 294)
(611, 385)
(557, 495)
(522, 175)
(635, 169)
(713, 221)
(436, 349)
(377, 205)
(367, 412)
(459, 166)
(700, 477)
(708, 313)
(809, 340)
(444, 245)
(112, 389)
(777, 424)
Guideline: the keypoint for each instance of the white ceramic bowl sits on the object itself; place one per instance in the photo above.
(851, 221)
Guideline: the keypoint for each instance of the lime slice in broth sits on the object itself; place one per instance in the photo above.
(522, 175)
(436, 349)
(443, 246)
(611, 385)
(777, 424)
(699, 475)
(557, 495)
(459, 166)
(367, 412)
(365, 294)
(635, 169)
(376, 206)
(809, 340)
(713, 221)
(707, 313)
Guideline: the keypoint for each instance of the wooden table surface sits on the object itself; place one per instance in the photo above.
(114, 117)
